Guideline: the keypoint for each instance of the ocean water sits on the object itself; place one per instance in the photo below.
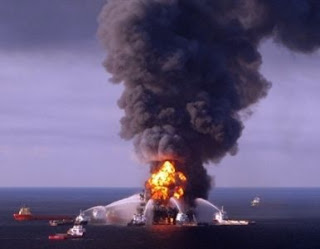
(287, 218)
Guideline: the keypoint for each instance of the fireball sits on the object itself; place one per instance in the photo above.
(166, 183)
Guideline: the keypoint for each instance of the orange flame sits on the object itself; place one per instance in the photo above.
(166, 182)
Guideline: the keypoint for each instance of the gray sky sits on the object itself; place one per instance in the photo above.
(59, 119)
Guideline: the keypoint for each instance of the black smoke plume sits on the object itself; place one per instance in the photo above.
(190, 66)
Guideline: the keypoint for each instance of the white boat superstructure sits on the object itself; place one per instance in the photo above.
(25, 211)
(77, 231)
(220, 218)
(256, 201)
(81, 219)
(185, 220)
(138, 220)
(181, 218)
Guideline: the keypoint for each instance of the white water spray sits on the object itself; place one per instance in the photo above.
(121, 212)
(117, 213)
(148, 212)
(205, 210)
(200, 202)
(175, 202)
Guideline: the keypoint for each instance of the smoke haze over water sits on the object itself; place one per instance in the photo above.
(189, 67)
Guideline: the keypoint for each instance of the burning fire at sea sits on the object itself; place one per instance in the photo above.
(190, 70)
(166, 182)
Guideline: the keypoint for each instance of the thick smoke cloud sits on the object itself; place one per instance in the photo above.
(190, 66)
(295, 23)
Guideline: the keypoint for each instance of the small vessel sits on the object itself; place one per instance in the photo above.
(77, 231)
(58, 236)
(25, 214)
(62, 222)
(256, 201)
(81, 219)
(183, 219)
(138, 220)
(220, 218)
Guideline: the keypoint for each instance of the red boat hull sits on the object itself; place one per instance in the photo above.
(26, 217)
(58, 237)
(22, 217)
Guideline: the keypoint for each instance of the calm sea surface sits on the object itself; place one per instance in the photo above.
(287, 218)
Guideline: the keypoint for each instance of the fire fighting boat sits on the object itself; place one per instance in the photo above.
(77, 231)
(81, 219)
(220, 218)
(138, 220)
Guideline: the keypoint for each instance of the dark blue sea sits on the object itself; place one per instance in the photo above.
(287, 218)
